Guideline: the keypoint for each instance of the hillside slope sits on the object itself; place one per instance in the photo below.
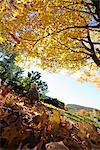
(75, 108)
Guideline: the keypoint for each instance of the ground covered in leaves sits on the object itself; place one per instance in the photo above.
(38, 127)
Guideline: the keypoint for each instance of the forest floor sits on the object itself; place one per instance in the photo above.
(44, 127)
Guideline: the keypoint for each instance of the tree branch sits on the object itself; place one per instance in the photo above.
(83, 11)
(93, 55)
(72, 49)
(97, 43)
(79, 27)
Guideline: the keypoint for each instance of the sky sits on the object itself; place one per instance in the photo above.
(70, 91)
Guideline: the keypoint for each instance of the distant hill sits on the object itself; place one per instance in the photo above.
(75, 108)
(70, 107)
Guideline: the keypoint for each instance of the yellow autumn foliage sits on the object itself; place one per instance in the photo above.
(47, 31)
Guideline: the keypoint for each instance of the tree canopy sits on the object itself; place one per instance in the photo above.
(57, 33)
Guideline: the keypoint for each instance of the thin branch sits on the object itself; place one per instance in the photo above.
(76, 10)
(79, 52)
(97, 43)
(97, 9)
(88, 49)
(61, 30)
(72, 49)
(79, 27)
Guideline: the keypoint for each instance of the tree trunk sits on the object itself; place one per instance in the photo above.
(96, 60)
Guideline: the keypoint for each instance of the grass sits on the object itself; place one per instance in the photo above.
(78, 118)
